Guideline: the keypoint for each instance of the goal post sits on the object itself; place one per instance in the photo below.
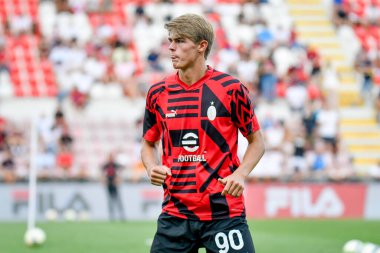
(32, 175)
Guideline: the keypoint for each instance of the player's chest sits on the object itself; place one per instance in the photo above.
(188, 108)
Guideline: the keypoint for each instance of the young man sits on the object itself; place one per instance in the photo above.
(197, 113)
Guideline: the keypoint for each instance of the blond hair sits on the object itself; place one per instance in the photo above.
(193, 27)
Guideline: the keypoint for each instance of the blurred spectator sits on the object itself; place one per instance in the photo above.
(372, 13)
(3, 135)
(124, 65)
(64, 162)
(8, 167)
(66, 140)
(296, 96)
(298, 163)
(342, 165)
(4, 65)
(320, 161)
(111, 177)
(46, 162)
(374, 171)
(267, 80)
(328, 125)
(330, 82)
(309, 121)
(340, 15)
(16, 141)
(62, 5)
(377, 108)
(21, 24)
(315, 60)
(314, 92)
(78, 98)
(364, 66)
(153, 60)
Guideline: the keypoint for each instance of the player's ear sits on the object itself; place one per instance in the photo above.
(202, 46)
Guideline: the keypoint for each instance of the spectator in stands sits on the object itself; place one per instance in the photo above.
(328, 126)
(377, 107)
(4, 65)
(298, 163)
(330, 82)
(342, 165)
(62, 5)
(374, 171)
(16, 141)
(8, 167)
(296, 96)
(267, 80)
(66, 140)
(364, 66)
(65, 162)
(372, 13)
(21, 24)
(315, 60)
(309, 121)
(78, 98)
(124, 64)
(3, 135)
(153, 60)
(340, 15)
(320, 160)
(112, 178)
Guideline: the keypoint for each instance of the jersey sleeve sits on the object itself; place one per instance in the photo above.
(151, 130)
(242, 112)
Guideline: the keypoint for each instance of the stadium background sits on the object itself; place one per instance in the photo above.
(81, 69)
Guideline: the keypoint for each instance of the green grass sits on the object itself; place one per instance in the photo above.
(270, 236)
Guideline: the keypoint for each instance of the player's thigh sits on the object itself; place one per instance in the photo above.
(231, 235)
(173, 235)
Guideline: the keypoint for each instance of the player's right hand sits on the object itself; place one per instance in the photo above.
(158, 174)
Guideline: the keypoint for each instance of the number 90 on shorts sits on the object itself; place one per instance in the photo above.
(233, 240)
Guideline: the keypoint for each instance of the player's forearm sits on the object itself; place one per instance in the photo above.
(149, 155)
(253, 153)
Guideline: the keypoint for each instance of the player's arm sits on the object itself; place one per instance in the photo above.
(234, 183)
(149, 155)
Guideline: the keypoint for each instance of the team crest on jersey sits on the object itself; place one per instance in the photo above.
(211, 111)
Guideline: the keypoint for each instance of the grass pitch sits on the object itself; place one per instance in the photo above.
(270, 236)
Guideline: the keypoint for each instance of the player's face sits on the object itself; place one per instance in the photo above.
(183, 51)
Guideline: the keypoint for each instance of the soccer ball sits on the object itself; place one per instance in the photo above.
(70, 215)
(34, 237)
(370, 248)
(51, 214)
(83, 215)
(353, 246)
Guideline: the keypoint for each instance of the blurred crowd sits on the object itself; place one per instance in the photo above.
(362, 18)
(96, 53)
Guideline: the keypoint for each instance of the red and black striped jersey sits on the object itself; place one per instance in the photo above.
(198, 126)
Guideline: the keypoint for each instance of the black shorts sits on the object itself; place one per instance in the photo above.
(187, 236)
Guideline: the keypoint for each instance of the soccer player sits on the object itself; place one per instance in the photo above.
(197, 113)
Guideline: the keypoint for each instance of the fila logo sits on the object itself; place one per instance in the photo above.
(171, 114)
(190, 142)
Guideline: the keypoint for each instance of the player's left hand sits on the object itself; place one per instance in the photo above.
(233, 185)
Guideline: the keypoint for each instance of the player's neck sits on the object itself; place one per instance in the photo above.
(192, 75)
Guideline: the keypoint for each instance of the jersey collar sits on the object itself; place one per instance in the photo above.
(197, 84)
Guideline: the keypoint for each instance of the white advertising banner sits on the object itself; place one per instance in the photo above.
(143, 201)
(140, 201)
